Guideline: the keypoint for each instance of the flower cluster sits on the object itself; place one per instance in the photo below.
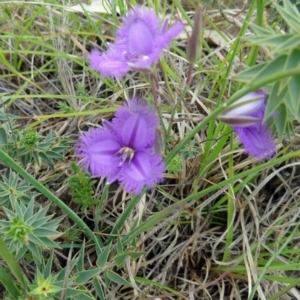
(246, 117)
(138, 45)
(123, 149)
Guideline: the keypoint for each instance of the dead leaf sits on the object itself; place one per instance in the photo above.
(96, 6)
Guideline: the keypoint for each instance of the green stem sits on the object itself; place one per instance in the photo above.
(182, 96)
(252, 57)
(285, 290)
(47, 193)
(234, 52)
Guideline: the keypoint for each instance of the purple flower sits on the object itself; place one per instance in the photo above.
(246, 117)
(123, 149)
(139, 44)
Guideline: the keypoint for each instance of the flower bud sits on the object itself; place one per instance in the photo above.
(246, 116)
(242, 112)
(193, 46)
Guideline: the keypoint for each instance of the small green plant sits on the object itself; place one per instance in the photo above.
(175, 165)
(44, 287)
(26, 230)
(81, 188)
(28, 146)
(190, 150)
(14, 190)
(82, 91)
(65, 107)
(32, 147)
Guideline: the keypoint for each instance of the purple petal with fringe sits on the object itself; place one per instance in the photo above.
(123, 149)
(256, 138)
(139, 44)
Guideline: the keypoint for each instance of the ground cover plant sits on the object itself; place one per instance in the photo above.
(149, 149)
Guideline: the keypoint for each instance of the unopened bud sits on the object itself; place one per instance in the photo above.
(243, 121)
(193, 46)
(244, 112)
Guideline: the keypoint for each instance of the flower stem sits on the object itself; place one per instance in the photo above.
(47, 193)
(182, 96)
(155, 93)
(155, 89)
(189, 75)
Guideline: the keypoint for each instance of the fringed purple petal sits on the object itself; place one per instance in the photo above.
(134, 132)
(140, 38)
(144, 169)
(97, 149)
(109, 63)
(257, 140)
(246, 116)
(145, 112)
(166, 37)
(139, 44)
(123, 149)
(142, 22)
(141, 107)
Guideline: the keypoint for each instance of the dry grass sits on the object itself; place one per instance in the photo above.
(214, 246)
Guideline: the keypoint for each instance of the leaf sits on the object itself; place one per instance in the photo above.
(107, 281)
(120, 259)
(48, 267)
(290, 43)
(271, 69)
(136, 255)
(44, 232)
(119, 245)
(290, 14)
(248, 74)
(117, 278)
(98, 288)
(42, 156)
(76, 293)
(83, 297)
(12, 264)
(281, 120)
(263, 71)
(34, 250)
(293, 59)
(80, 262)
(9, 283)
(294, 92)
(260, 31)
(272, 41)
(84, 276)
(3, 137)
(277, 96)
(103, 257)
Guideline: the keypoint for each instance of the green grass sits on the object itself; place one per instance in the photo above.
(223, 224)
